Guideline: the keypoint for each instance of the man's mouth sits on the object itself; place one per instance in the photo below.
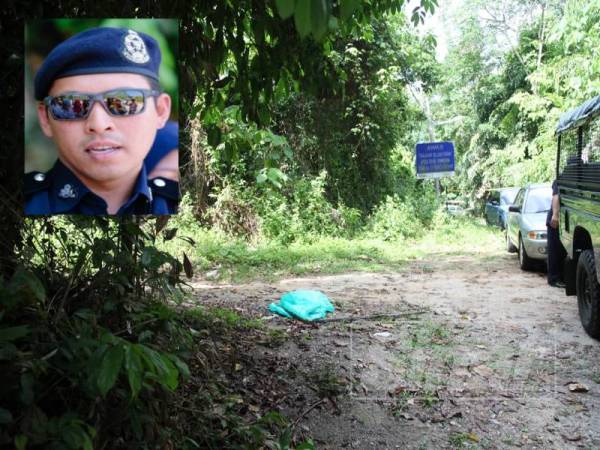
(102, 148)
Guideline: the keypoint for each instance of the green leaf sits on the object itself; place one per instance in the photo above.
(302, 18)
(286, 438)
(171, 378)
(160, 365)
(275, 174)
(5, 416)
(27, 389)
(25, 282)
(347, 7)
(134, 368)
(182, 367)
(278, 140)
(319, 18)
(285, 8)
(20, 442)
(109, 369)
(13, 333)
(146, 259)
(261, 177)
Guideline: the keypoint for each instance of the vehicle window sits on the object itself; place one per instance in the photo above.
(568, 148)
(494, 196)
(507, 197)
(519, 198)
(590, 151)
(538, 200)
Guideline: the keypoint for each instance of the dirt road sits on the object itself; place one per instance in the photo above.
(491, 357)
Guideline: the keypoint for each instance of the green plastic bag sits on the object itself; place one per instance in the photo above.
(303, 304)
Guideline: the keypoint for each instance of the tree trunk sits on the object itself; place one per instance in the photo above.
(11, 156)
(541, 36)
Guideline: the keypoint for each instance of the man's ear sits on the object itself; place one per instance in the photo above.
(42, 113)
(163, 109)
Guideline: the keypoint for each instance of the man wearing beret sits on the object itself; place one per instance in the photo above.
(100, 102)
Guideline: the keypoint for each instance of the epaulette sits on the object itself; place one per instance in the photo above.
(34, 182)
(164, 188)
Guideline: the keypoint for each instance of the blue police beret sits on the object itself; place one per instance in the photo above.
(99, 50)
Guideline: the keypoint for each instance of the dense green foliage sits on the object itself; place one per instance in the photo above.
(84, 327)
(300, 176)
(509, 103)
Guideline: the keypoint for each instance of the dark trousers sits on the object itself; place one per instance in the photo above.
(556, 256)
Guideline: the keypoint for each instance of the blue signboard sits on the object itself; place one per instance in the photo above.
(435, 159)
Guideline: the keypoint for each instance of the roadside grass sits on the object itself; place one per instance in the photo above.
(237, 260)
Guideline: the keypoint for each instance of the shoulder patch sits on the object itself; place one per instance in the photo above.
(34, 182)
(164, 187)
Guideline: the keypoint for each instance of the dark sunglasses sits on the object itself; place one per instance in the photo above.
(120, 102)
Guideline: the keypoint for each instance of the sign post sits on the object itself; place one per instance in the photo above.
(435, 160)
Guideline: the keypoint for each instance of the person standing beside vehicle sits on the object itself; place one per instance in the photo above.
(556, 251)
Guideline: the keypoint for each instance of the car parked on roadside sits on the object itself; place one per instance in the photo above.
(496, 205)
(526, 225)
(456, 207)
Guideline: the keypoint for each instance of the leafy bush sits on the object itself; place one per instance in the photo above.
(87, 352)
(233, 212)
(305, 213)
(397, 218)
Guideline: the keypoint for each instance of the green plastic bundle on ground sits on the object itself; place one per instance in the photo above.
(303, 304)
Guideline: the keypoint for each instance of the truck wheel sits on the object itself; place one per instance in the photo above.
(588, 294)
(510, 248)
(525, 261)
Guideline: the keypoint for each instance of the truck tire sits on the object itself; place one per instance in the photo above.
(588, 293)
(510, 248)
(525, 261)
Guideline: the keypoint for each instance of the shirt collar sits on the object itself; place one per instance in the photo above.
(68, 191)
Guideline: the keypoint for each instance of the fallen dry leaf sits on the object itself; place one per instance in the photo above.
(483, 371)
(473, 437)
(383, 334)
(572, 437)
(578, 387)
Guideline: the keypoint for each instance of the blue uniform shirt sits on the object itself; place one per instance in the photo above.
(59, 191)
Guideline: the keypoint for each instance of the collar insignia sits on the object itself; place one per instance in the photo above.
(67, 191)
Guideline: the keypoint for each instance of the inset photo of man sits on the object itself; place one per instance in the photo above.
(101, 118)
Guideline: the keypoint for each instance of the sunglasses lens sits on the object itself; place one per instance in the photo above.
(69, 107)
(124, 103)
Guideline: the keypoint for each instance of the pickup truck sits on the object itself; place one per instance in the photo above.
(578, 179)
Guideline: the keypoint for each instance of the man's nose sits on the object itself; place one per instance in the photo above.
(99, 120)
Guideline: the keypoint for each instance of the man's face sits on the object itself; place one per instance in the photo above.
(103, 149)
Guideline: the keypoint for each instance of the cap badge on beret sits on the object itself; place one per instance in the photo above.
(134, 48)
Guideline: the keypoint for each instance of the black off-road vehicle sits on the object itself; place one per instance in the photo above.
(578, 175)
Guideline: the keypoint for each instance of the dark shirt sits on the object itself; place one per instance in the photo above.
(554, 192)
(59, 191)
